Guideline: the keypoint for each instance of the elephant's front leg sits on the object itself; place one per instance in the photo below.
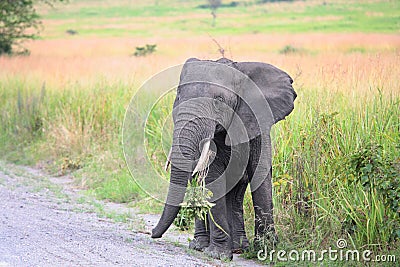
(238, 178)
(234, 205)
(201, 235)
(235, 215)
(220, 243)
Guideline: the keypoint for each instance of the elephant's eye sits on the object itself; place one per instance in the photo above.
(219, 98)
(218, 101)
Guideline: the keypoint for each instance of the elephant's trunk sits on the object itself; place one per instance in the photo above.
(176, 194)
(188, 134)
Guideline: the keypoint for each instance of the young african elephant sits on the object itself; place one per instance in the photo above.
(229, 108)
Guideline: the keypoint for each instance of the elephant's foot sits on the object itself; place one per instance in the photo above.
(199, 243)
(240, 244)
(218, 253)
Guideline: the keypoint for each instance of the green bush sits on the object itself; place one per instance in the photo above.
(289, 49)
(144, 50)
(378, 174)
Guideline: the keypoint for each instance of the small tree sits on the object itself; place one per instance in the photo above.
(16, 18)
(214, 4)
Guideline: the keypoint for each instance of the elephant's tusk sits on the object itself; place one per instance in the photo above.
(202, 160)
(168, 161)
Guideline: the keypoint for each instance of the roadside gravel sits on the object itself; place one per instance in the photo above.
(44, 222)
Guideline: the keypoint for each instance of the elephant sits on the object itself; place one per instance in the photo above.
(224, 111)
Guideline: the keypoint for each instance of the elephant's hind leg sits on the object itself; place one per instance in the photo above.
(260, 176)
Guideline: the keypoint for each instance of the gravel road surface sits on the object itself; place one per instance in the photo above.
(43, 222)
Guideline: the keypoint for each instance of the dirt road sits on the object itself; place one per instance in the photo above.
(44, 222)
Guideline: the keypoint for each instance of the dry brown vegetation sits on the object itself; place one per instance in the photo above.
(335, 61)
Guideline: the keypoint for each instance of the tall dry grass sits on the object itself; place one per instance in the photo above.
(322, 59)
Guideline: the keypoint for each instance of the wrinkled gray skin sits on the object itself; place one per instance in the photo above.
(243, 157)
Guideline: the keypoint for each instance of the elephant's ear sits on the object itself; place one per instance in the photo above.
(265, 98)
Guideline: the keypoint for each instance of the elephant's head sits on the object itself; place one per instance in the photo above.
(242, 98)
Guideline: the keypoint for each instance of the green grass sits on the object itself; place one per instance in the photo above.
(119, 11)
(137, 18)
(60, 126)
(311, 178)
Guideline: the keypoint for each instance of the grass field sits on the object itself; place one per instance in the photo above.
(62, 107)
(185, 18)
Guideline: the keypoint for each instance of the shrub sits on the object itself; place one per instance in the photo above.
(379, 175)
(145, 50)
(289, 49)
